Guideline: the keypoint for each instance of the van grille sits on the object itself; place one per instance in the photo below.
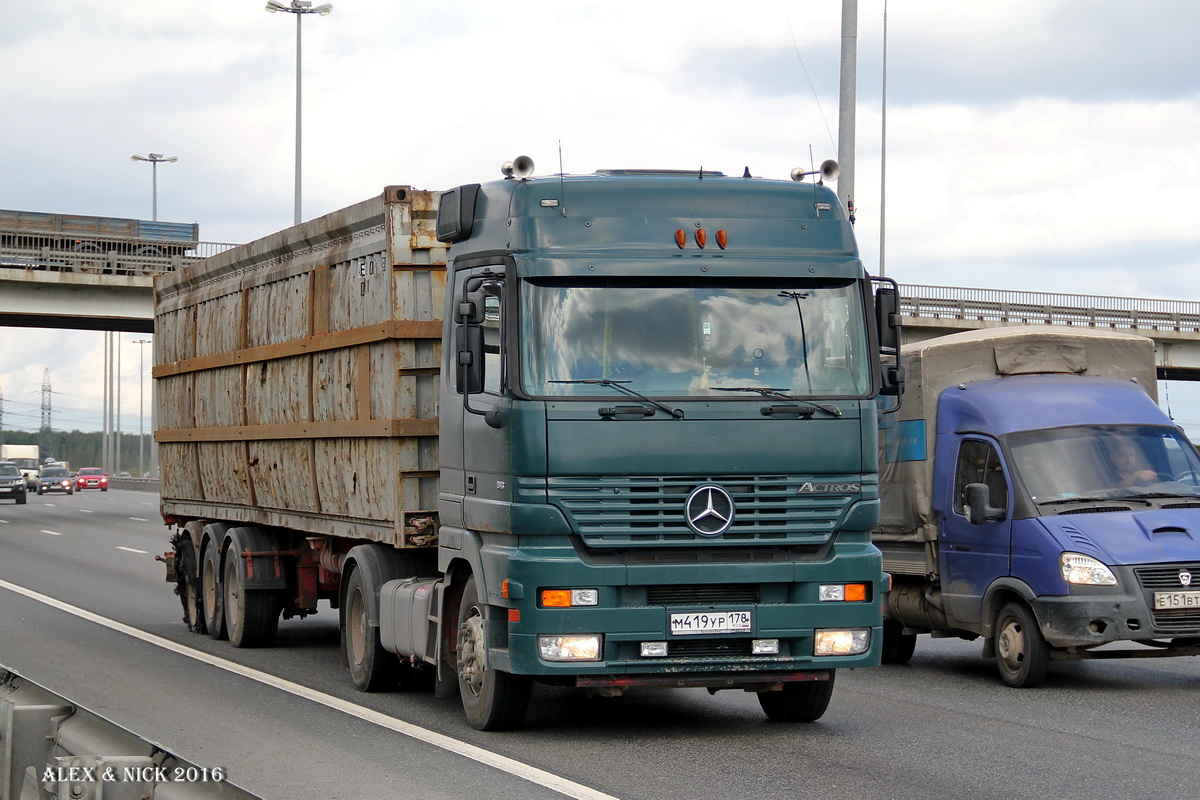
(1165, 578)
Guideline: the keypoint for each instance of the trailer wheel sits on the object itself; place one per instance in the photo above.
(251, 616)
(1022, 655)
(188, 585)
(801, 701)
(371, 667)
(493, 700)
(211, 592)
(898, 646)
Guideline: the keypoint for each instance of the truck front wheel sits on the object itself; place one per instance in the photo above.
(800, 701)
(493, 700)
(371, 667)
(1022, 655)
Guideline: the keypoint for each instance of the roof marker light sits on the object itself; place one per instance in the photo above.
(681, 238)
(701, 237)
(722, 238)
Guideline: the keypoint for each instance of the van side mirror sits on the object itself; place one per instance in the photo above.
(977, 511)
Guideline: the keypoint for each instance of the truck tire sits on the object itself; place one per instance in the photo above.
(800, 701)
(251, 616)
(898, 646)
(1022, 655)
(211, 592)
(372, 668)
(493, 700)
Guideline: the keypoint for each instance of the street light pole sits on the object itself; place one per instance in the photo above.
(155, 159)
(299, 8)
(141, 408)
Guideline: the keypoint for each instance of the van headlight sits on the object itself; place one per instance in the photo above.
(1084, 570)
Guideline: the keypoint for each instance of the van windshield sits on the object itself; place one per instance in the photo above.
(693, 338)
(1105, 462)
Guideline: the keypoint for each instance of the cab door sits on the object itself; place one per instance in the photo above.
(975, 554)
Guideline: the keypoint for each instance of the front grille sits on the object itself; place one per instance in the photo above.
(702, 595)
(1165, 578)
(709, 648)
(649, 511)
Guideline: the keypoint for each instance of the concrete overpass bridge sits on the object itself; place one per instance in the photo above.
(54, 296)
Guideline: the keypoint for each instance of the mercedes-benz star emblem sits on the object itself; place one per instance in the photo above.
(709, 510)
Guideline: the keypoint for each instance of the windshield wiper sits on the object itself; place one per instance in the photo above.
(618, 385)
(767, 391)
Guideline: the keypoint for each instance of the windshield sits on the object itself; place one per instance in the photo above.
(1102, 462)
(91, 471)
(9, 471)
(55, 472)
(693, 338)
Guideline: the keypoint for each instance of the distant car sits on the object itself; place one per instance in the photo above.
(55, 479)
(12, 483)
(91, 478)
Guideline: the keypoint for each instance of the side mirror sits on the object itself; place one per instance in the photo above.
(887, 318)
(977, 509)
(468, 347)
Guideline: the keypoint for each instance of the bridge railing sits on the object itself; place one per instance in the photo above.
(112, 257)
(1002, 306)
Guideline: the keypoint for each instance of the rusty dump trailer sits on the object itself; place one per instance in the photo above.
(296, 377)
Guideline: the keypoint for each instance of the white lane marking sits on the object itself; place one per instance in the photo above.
(513, 767)
(53, 533)
(139, 519)
(3, 522)
(86, 511)
(132, 550)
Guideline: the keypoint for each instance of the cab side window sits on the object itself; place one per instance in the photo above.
(978, 462)
(493, 342)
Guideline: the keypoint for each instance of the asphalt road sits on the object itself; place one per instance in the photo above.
(941, 727)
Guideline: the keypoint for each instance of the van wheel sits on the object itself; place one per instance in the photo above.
(493, 700)
(799, 701)
(251, 616)
(1022, 655)
(898, 646)
(371, 667)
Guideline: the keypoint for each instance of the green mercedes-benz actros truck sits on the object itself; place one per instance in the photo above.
(607, 431)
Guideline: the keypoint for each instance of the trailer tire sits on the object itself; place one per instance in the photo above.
(212, 592)
(188, 585)
(372, 668)
(251, 615)
(493, 700)
(800, 701)
(898, 646)
(1022, 655)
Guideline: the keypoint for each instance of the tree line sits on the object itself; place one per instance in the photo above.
(83, 448)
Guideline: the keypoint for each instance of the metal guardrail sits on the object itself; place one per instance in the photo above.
(25, 251)
(52, 748)
(998, 306)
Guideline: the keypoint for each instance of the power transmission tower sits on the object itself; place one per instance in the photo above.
(45, 433)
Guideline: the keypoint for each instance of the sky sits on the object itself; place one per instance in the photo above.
(1041, 145)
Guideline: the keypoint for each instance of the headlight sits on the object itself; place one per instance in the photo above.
(1084, 570)
(833, 642)
(585, 647)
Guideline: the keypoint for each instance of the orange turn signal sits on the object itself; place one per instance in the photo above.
(556, 598)
(856, 591)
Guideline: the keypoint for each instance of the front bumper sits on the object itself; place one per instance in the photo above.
(635, 607)
(1097, 615)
